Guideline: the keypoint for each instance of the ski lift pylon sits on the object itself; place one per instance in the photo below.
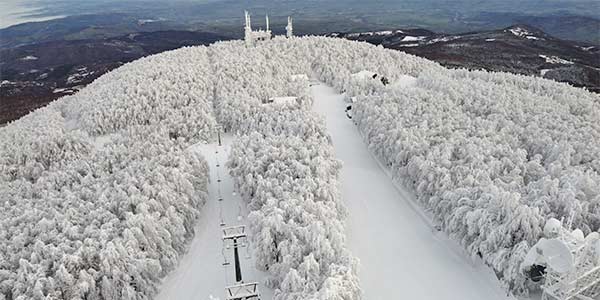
(244, 291)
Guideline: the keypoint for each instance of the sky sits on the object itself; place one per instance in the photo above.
(19, 11)
(14, 12)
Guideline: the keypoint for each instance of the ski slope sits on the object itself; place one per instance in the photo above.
(200, 274)
(401, 256)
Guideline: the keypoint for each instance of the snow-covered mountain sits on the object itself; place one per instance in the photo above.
(100, 190)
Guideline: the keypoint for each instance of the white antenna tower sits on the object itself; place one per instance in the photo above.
(248, 29)
(267, 21)
(289, 28)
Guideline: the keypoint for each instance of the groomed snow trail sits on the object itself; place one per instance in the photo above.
(401, 257)
(200, 273)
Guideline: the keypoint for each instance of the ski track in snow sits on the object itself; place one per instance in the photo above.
(200, 273)
(401, 257)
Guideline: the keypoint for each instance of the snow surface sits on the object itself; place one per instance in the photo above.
(284, 100)
(61, 90)
(544, 71)
(385, 32)
(364, 74)
(409, 38)
(555, 60)
(409, 45)
(401, 256)
(520, 32)
(442, 39)
(200, 273)
(79, 76)
(405, 81)
(29, 57)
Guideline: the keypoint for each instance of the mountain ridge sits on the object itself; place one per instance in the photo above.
(36, 74)
(520, 49)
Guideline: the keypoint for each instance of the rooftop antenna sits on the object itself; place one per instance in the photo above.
(248, 24)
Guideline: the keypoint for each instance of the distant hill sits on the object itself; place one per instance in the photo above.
(82, 27)
(519, 49)
(36, 74)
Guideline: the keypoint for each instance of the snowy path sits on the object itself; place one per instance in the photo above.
(200, 273)
(401, 258)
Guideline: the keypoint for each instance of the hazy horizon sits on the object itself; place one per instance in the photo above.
(14, 12)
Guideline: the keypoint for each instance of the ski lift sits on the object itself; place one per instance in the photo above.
(248, 256)
(239, 216)
(222, 222)
(244, 291)
(219, 128)
(235, 236)
(225, 261)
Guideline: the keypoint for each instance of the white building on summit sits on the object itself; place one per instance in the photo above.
(252, 36)
(259, 35)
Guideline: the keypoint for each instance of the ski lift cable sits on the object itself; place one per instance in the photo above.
(219, 194)
(225, 265)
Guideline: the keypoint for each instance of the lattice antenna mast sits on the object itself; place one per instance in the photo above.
(572, 262)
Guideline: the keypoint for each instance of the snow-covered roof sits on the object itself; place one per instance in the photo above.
(555, 60)
(404, 81)
(409, 38)
(521, 32)
(364, 74)
(283, 100)
(299, 77)
(29, 57)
